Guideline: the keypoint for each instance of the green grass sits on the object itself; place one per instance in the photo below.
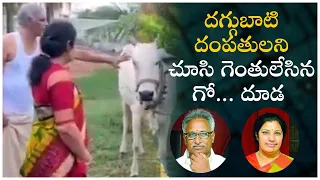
(104, 118)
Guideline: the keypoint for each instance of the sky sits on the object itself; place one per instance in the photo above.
(76, 7)
(88, 5)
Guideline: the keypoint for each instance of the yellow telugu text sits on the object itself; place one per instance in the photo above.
(269, 21)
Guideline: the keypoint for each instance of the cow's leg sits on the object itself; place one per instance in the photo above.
(136, 134)
(126, 119)
(153, 124)
(141, 149)
(147, 119)
(163, 136)
(163, 139)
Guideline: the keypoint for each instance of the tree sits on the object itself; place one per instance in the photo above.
(155, 21)
(150, 22)
(84, 14)
(103, 12)
(50, 10)
(9, 8)
(10, 11)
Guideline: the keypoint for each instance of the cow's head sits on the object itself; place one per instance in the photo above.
(148, 61)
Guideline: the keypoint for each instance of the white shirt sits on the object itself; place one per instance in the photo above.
(215, 160)
(17, 93)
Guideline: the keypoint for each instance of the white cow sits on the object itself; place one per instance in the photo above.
(148, 94)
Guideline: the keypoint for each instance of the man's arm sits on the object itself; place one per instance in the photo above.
(6, 46)
(88, 56)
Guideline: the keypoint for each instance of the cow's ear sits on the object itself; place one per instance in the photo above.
(166, 57)
(132, 41)
(128, 49)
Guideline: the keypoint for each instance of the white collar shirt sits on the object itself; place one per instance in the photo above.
(215, 160)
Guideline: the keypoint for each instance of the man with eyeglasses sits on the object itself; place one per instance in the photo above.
(19, 48)
(198, 129)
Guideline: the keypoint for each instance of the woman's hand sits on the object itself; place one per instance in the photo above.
(87, 158)
(119, 60)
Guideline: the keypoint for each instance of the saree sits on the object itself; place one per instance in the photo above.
(282, 162)
(46, 154)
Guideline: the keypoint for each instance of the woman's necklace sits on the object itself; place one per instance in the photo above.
(260, 159)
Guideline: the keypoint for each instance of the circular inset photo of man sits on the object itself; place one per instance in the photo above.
(269, 140)
(199, 139)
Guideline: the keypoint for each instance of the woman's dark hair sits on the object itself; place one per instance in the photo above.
(53, 43)
(268, 117)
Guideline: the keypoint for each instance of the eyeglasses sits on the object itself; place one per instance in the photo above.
(202, 135)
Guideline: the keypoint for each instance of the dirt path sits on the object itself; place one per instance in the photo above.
(80, 68)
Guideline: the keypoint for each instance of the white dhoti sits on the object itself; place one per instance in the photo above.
(15, 137)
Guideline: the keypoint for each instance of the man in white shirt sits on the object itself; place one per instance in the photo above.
(198, 129)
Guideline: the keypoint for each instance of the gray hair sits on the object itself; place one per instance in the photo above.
(198, 113)
(28, 11)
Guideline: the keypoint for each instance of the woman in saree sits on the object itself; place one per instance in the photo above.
(58, 145)
(269, 132)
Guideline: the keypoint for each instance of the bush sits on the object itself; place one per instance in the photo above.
(151, 26)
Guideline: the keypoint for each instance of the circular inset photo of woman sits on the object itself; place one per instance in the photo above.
(270, 140)
(199, 139)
